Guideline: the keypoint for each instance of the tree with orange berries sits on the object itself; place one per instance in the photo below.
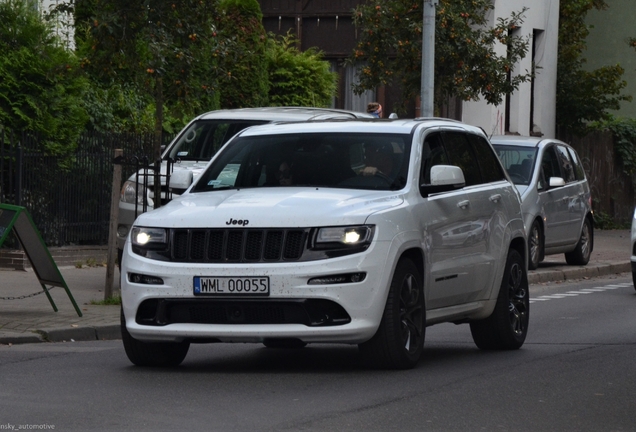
(169, 50)
(389, 50)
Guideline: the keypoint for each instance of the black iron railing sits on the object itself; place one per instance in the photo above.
(68, 196)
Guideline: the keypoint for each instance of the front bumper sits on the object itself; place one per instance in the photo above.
(342, 312)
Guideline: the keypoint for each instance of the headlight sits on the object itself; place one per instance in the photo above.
(345, 236)
(130, 189)
(149, 238)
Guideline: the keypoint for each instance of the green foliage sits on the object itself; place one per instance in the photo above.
(249, 8)
(162, 55)
(298, 78)
(110, 301)
(583, 96)
(119, 108)
(41, 84)
(624, 133)
(466, 64)
(244, 80)
(604, 221)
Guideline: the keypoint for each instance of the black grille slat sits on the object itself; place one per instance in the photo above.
(197, 245)
(273, 245)
(180, 245)
(294, 244)
(237, 245)
(234, 245)
(215, 245)
(253, 245)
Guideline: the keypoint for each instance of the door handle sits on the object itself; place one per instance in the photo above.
(495, 198)
(463, 204)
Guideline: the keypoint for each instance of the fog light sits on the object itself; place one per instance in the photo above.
(144, 279)
(122, 231)
(337, 279)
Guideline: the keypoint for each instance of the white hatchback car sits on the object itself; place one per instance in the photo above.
(555, 195)
(355, 232)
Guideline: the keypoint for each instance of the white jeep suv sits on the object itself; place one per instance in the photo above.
(356, 232)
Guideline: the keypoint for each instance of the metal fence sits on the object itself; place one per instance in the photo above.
(67, 196)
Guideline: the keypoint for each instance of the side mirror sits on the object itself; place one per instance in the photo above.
(180, 180)
(393, 116)
(556, 182)
(444, 178)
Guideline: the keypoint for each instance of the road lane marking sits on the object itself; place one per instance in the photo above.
(581, 291)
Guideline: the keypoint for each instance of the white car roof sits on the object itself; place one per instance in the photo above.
(403, 126)
(522, 141)
(282, 114)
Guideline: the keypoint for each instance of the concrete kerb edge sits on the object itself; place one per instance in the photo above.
(106, 332)
(578, 273)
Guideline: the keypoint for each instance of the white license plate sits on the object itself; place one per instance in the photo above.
(235, 285)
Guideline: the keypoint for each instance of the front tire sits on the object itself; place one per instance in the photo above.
(399, 341)
(506, 328)
(154, 354)
(581, 253)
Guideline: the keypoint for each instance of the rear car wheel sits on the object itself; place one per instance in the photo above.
(158, 354)
(507, 326)
(399, 341)
(535, 246)
(581, 253)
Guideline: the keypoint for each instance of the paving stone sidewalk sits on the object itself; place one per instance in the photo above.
(32, 319)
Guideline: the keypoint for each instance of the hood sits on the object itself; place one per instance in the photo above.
(271, 208)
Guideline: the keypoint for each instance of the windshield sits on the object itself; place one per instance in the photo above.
(341, 160)
(203, 138)
(518, 161)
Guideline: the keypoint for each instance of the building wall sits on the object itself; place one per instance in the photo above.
(64, 27)
(531, 110)
(607, 45)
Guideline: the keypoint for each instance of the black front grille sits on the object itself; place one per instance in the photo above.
(237, 245)
(309, 312)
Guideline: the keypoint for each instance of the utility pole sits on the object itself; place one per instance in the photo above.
(427, 91)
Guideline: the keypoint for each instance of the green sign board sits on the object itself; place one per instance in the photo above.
(18, 220)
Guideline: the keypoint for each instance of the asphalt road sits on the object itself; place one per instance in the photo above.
(575, 373)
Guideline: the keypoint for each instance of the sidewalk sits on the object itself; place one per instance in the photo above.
(32, 319)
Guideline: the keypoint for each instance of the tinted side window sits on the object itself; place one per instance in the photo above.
(567, 168)
(578, 166)
(461, 154)
(489, 166)
(432, 154)
(550, 164)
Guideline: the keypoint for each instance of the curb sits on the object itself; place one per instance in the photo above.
(76, 334)
(578, 273)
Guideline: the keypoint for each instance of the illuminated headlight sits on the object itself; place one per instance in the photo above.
(130, 190)
(149, 238)
(349, 235)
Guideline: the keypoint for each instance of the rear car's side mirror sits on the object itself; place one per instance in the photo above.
(556, 182)
(180, 180)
